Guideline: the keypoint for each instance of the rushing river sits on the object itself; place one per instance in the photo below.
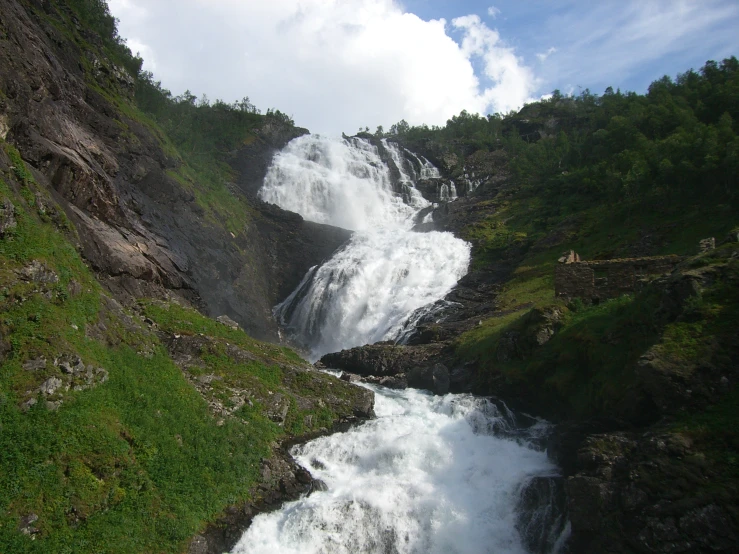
(430, 474)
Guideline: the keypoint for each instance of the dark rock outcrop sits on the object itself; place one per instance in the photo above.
(142, 230)
(648, 492)
(434, 378)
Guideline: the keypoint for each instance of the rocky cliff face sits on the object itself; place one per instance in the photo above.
(140, 228)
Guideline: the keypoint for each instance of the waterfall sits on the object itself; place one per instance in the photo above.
(369, 288)
(454, 474)
(439, 475)
(447, 192)
(340, 182)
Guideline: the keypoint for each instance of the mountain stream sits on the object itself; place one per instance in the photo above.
(432, 474)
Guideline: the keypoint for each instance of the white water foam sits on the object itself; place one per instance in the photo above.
(427, 476)
(368, 289)
(336, 181)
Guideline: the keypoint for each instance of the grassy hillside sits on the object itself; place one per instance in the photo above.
(124, 454)
(129, 430)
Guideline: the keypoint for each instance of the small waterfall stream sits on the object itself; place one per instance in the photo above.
(451, 474)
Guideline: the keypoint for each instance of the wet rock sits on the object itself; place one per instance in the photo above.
(7, 217)
(434, 378)
(350, 377)
(397, 382)
(382, 359)
(541, 513)
(460, 378)
(303, 476)
(318, 486)
(364, 405)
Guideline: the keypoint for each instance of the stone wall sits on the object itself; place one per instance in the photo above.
(597, 280)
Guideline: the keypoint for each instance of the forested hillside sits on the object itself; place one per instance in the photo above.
(620, 175)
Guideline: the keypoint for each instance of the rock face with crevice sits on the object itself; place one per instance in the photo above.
(140, 228)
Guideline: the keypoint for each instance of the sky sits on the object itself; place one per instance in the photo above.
(341, 65)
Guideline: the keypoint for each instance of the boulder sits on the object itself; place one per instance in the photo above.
(50, 386)
(434, 378)
(382, 359)
(227, 321)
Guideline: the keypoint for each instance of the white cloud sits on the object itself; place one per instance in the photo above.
(334, 65)
(512, 82)
(544, 55)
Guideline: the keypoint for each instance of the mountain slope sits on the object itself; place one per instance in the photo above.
(129, 421)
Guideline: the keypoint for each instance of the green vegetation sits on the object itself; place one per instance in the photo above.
(201, 137)
(137, 462)
(617, 175)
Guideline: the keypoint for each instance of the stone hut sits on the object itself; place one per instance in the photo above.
(598, 280)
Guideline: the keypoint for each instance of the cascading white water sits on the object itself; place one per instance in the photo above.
(430, 474)
(368, 289)
(427, 476)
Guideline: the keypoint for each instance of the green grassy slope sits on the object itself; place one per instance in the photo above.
(136, 461)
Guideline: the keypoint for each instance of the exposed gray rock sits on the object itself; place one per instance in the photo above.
(227, 321)
(26, 525)
(7, 217)
(38, 272)
(35, 364)
(278, 408)
(50, 386)
(25, 406)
